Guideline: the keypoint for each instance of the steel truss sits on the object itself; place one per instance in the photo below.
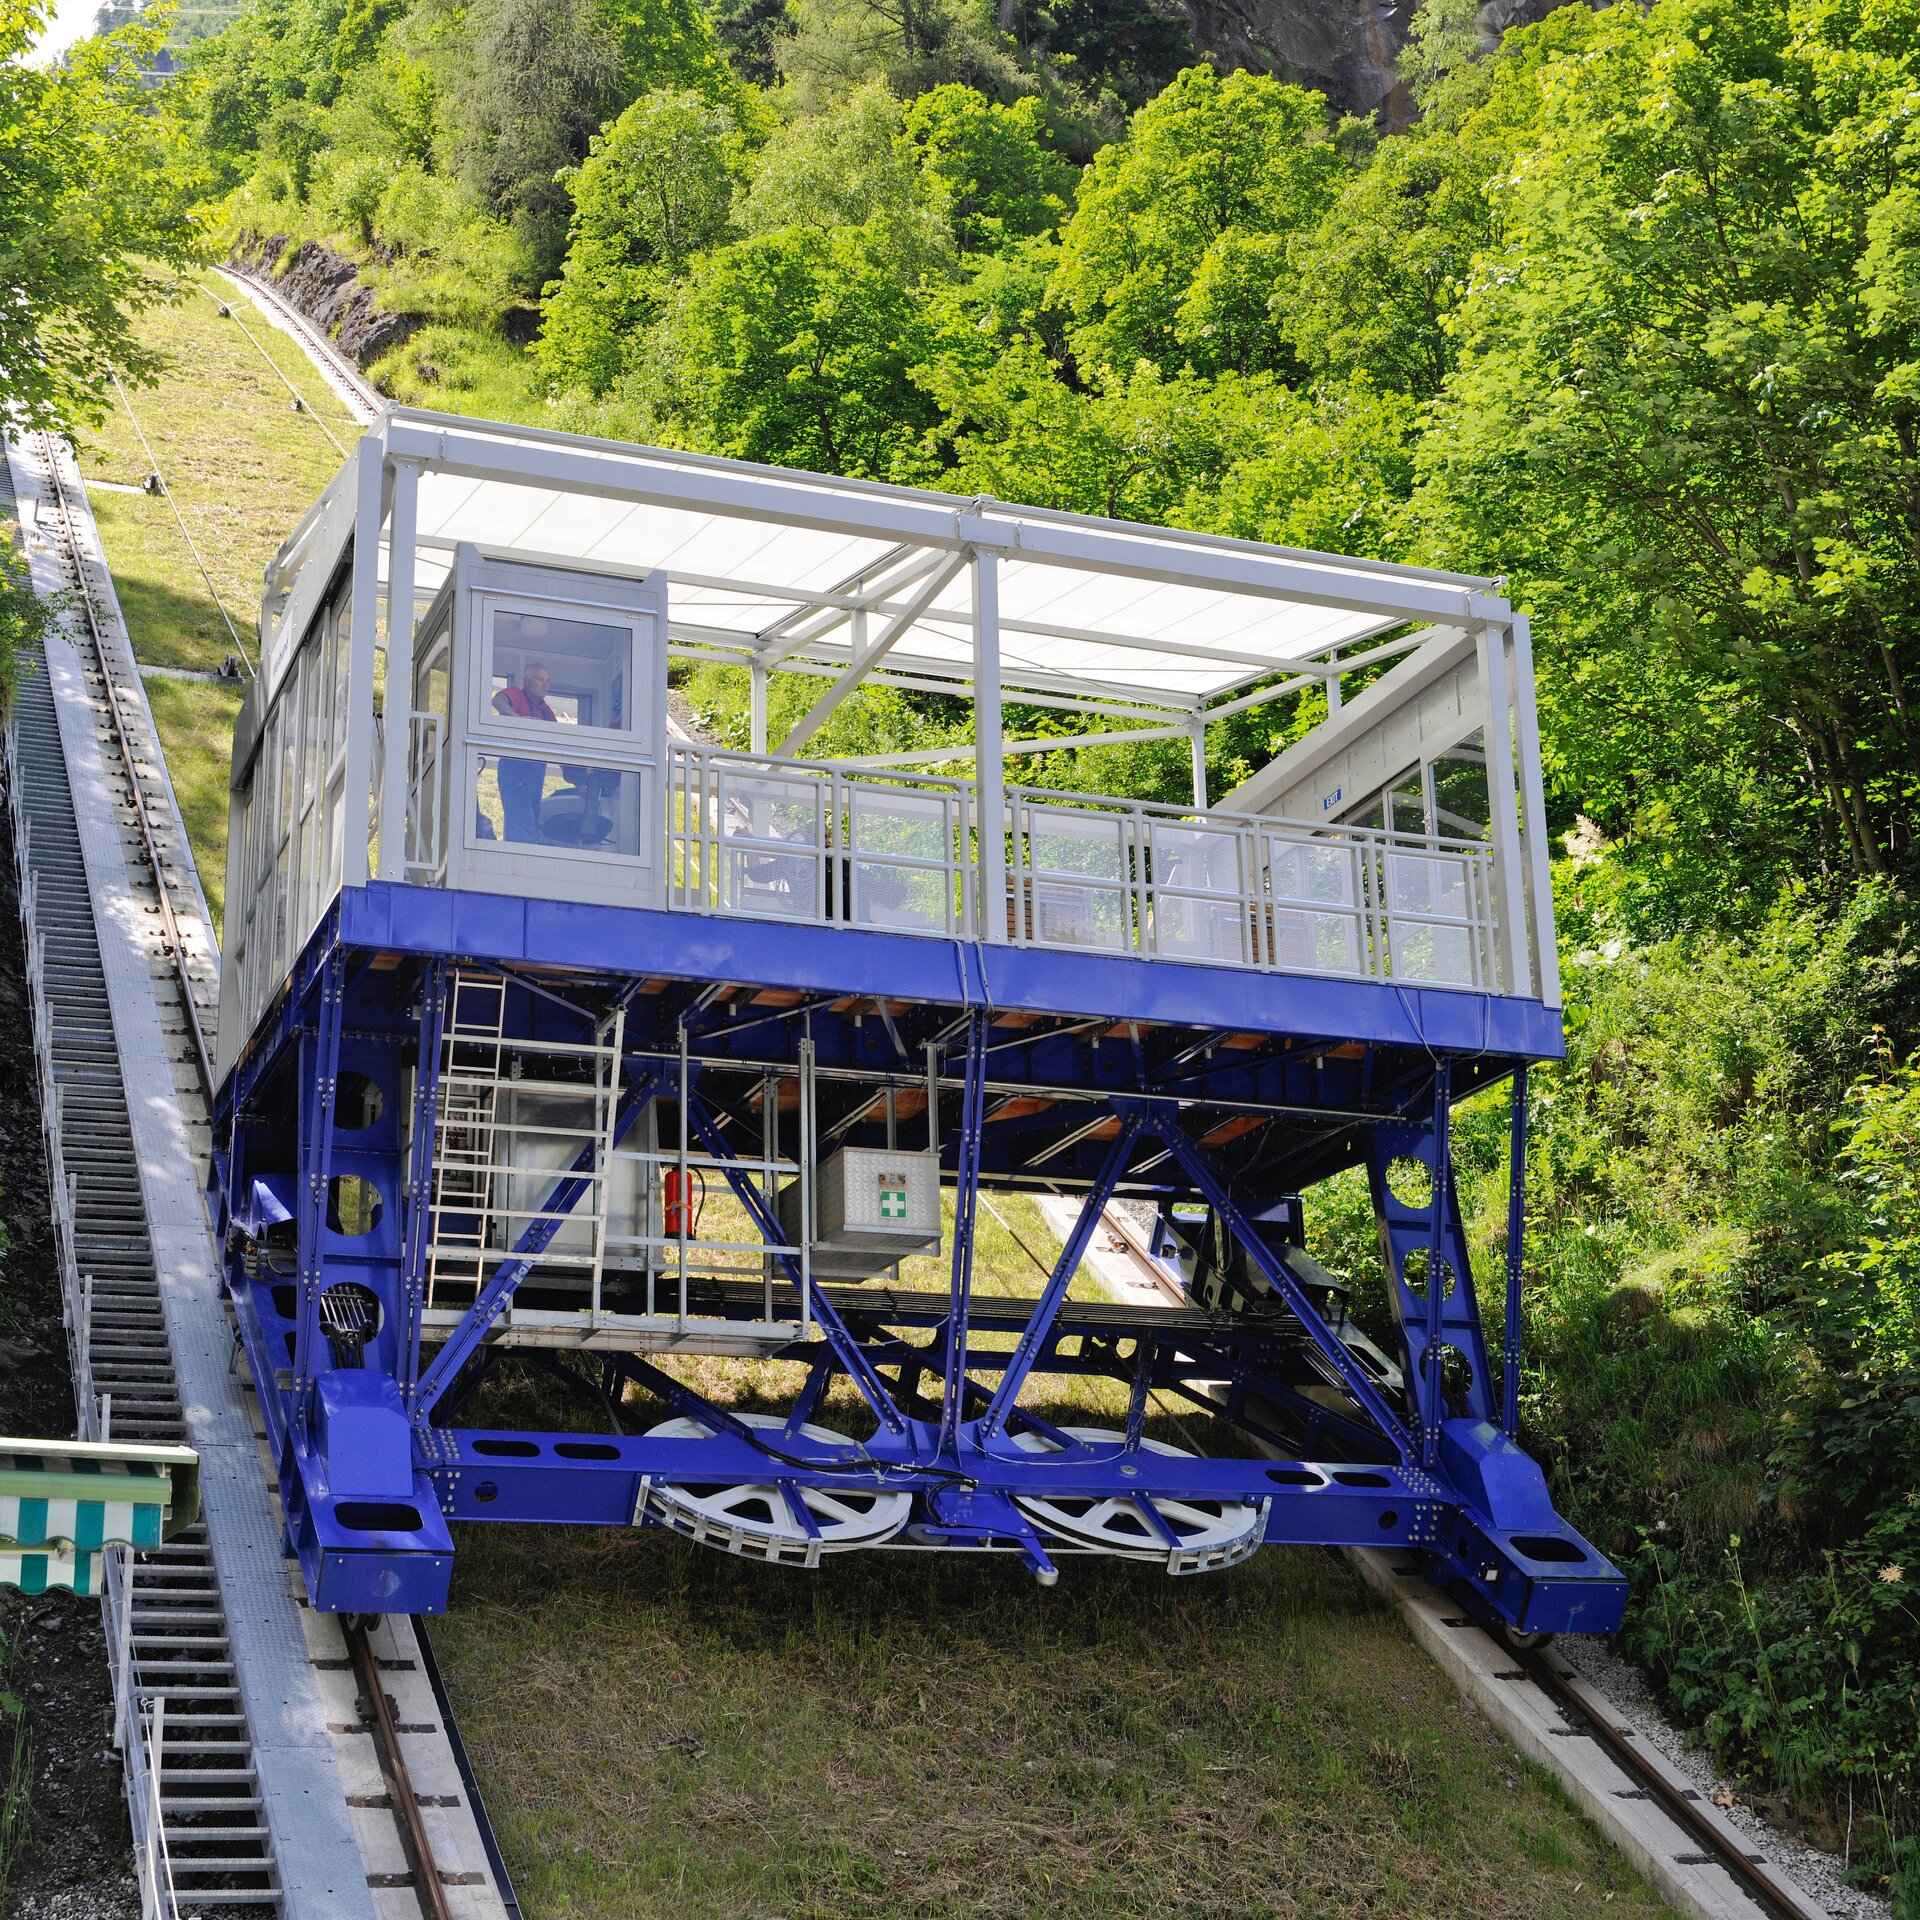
(917, 1418)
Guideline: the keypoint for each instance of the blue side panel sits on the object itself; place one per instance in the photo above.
(850, 960)
(1211, 1095)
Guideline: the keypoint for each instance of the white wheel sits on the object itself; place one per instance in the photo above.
(756, 1518)
(1207, 1534)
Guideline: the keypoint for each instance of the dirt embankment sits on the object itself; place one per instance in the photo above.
(76, 1860)
(326, 287)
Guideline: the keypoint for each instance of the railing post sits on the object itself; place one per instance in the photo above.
(1533, 813)
(1503, 800)
(395, 783)
(123, 1653)
(989, 741)
(369, 510)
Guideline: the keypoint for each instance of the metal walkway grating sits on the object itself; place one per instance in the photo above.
(175, 1630)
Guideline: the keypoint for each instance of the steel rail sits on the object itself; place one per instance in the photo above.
(331, 361)
(414, 1838)
(1772, 1895)
(74, 560)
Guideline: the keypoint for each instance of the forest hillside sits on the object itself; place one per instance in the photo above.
(1620, 303)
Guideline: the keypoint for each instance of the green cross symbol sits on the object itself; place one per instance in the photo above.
(893, 1202)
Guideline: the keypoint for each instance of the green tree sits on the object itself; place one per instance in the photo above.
(654, 190)
(530, 81)
(990, 167)
(1161, 260)
(94, 221)
(837, 46)
(236, 78)
(750, 31)
(1370, 288)
(847, 167)
(1683, 418)
(672, 44)
(293, 135)
(797, 347)
(1123, 50)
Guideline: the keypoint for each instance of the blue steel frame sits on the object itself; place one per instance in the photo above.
(1083, 1074)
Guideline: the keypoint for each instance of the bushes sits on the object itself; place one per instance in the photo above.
(1723, 1339)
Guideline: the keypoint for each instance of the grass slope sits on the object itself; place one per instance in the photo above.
(242, 467)
(663, 1730)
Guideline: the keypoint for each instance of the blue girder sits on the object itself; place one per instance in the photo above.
(1085, 1074)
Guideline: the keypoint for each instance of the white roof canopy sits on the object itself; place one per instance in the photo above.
(800, 572)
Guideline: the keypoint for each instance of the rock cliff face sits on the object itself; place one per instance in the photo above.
(1346, 49)
(327, 288)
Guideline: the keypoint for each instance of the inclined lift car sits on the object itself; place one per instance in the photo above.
(552, 1039)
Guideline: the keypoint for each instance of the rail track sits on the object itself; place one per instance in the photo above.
(199, 1785)
(170, 1603)
(1766, 1891)
(361, 397)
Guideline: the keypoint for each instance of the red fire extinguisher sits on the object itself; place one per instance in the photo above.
(673, 1189)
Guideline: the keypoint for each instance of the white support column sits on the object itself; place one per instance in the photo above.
(1503, 800)
(369, 508)
(395, 774)
(1533, 814)
(989, 734)
(1333, 694)
(1197, 744)
(757, 723)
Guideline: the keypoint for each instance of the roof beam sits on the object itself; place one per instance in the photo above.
(1307, 662)
(1161, 555)
(815, 717)
(1042, 743)
(843, 605)
(957, 678)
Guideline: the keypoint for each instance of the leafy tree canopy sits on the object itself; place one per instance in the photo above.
(990, 168)
(655, 189)
(95, 218)
(1177, 232)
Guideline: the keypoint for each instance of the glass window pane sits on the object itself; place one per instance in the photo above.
(1065, 915)
(1315, 942)
(1428, 884)
(548, 803)
(1443, 955)
(1460, 791)
(1088, 844)
(909, 826)
(560, 670)
(1185, 928)
(1321, 871)
(1196, 859)
(909, 899)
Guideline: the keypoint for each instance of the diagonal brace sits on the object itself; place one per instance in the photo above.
(1200, 1170)
(846, 1349)
(1047, 1307)
(497, 1295)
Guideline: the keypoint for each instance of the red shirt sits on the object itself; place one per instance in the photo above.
(525, 705)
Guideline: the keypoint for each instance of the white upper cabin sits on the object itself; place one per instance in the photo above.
(551, 579)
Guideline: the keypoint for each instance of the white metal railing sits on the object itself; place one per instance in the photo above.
(807, 841)
(1241, 890)
(810, 842)
(139, 1718)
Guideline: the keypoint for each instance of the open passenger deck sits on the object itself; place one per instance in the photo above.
(547, 1032)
